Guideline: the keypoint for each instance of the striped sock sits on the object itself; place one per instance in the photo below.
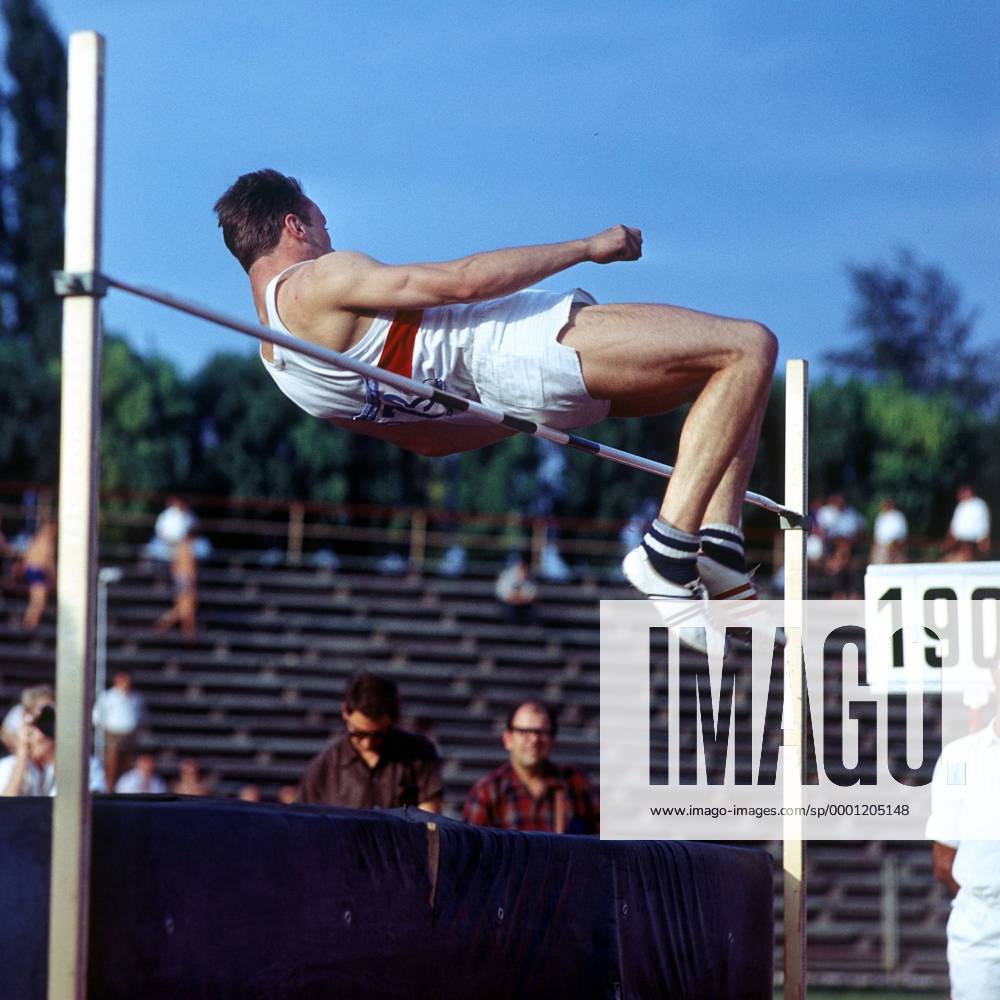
(724, 544)
(672, 553)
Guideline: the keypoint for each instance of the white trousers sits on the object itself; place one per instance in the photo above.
(974, 948)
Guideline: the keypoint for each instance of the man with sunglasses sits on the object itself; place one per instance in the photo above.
(529, 792)
(372, 764)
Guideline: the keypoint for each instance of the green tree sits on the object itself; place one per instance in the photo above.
(32, 141)
(921, 448)
(29, 441)
(242, 430)
(322, 457)
(912, 326)
(839, 442)
(915, 416)
(147, 424)
(36, 108)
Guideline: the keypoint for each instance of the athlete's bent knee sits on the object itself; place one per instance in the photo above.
(760, 344)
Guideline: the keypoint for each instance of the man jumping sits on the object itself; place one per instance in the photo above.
(473, 327)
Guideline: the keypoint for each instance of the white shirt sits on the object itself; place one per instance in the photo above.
(826, 516)
(33, 782)
(839, 522)
(173, 525)
(12, 720)
(117, 712)
(890, 526)
(514, 582)
(39, 781)
(971, 520)
(133, 783)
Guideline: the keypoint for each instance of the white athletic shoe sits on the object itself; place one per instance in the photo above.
(725, 584)
(666, 595)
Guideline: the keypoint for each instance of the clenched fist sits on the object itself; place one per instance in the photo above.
(616, 243)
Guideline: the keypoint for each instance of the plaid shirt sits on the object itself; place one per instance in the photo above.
(502, 799)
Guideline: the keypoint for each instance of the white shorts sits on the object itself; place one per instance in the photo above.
(520, 367)
(504, 353)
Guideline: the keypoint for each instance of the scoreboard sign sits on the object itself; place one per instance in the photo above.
(937, 624)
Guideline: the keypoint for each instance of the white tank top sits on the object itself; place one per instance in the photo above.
(328, 392)
(320, 389)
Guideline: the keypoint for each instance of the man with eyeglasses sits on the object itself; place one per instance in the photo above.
(374, 765)
(529, 791)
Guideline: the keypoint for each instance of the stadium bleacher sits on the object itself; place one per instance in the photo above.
(258, 693)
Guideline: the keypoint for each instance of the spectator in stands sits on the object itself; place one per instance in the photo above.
(33, 699)
(288, 795)
(966, 810)
(190, 780)
(835, 518)
(31, 769)
(516, 590)
(174, 523)
(529, 792)
(841, 526)
(142, 779)
(184, 575)
(249, 793)
(889, 534)
(968, 536)
(374, 765)
(38, 567)
(119, 712)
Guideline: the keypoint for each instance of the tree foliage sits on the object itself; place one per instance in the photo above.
(32, 142)
(146, 421)
(242, 426)
(922, 447)
(29, 421)
(915, 417)
(35, 111)
(914, 328)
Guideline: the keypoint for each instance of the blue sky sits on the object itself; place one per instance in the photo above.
(761, 147)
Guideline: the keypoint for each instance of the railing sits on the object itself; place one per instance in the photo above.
(296, 532)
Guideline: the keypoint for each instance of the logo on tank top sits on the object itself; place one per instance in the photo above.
(395, 407)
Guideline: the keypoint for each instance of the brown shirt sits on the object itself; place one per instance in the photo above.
(408, 773)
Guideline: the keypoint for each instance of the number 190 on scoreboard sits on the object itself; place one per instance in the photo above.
(933, 625)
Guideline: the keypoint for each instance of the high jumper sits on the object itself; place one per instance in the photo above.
(473, 326)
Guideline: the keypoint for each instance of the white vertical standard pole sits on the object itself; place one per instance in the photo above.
(793, 762)
(69, 896)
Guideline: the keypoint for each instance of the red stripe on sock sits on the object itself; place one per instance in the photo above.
(731, 594)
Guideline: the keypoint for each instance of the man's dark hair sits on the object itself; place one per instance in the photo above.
(549, 714)
(252, 212)
(45, 721)
(372, 695)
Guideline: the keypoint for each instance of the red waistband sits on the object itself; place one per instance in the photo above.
(397, 353)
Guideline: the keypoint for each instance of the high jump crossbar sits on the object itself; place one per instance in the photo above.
(96, 284)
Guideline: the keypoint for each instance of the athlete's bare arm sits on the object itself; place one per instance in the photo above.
(943, 861)
(358, 282)
(313, 300)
